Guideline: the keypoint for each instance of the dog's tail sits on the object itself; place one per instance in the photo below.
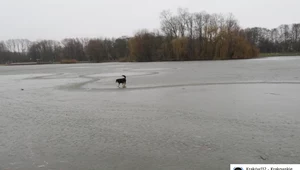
(124, 76)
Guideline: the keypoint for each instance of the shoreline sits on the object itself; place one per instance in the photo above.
(277, 54)
(262, 55)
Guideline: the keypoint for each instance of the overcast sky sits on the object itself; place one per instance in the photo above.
(58, 19)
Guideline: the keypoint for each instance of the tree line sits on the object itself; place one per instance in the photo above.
(182, 36)
(284, 39)
(80, 49)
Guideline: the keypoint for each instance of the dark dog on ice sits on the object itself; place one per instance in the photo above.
(121, 81)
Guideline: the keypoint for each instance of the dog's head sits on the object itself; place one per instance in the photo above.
(124, 76)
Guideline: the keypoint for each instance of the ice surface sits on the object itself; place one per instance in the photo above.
(172, 115)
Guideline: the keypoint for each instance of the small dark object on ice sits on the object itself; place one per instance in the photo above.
(22, 89)
(121, 81)
(263, 158)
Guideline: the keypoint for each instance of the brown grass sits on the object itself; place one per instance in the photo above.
(68, 61)
(124, 59)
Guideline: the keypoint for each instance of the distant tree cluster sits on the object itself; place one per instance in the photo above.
(192, 36)
(83, 49)
(284, 39)
(184, 36)
(14, 50)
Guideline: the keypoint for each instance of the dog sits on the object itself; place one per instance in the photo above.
(121, 81)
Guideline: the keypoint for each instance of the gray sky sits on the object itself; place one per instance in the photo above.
(58, 19)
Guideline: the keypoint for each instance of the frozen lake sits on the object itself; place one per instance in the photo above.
(172, 115)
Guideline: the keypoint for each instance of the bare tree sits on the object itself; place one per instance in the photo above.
(3, 47)
(296, 37)
(169, 24)
(96, 50)
(18, 45)
(199, 28)
(231, 23)
(182, 20)
(73, 49)
(45, 50)
(11, 45)
(3, 53)
(24, 45)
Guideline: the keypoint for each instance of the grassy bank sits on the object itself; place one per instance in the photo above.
(278, 54)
